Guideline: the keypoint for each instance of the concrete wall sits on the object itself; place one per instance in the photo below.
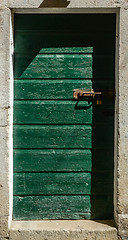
(63, 229)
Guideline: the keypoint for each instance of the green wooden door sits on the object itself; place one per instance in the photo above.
(63, 149)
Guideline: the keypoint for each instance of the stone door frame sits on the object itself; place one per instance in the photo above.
(8, 227)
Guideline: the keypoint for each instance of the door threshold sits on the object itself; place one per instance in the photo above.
(63, 230)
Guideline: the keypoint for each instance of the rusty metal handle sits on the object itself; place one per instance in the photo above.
(90, 95)
(80, 93)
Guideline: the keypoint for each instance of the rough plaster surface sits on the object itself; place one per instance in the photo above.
(70, 231)
(72, 3)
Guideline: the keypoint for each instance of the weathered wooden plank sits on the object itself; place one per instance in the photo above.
(62, 112)
(54, 66)
(30, 44)
(62, 160)
(56, 89)
(62, 207)
(70, 22)
(51, 207)
(52, 160)
(64, 66)
(51, 183)
(62, 183)
(51, 112)
(67, 50)
(64, 136)
(52, 136)
(48, 89)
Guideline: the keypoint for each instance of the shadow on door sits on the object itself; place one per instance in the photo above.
(73, 31)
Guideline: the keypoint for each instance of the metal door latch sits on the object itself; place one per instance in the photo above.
(90, 95)
(77, 93)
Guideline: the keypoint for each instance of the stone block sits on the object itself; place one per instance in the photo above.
(4, 57)
(63, 230)
(4, 172)
(122, 181)
(4, 115)
(4, 230)
(123, 226)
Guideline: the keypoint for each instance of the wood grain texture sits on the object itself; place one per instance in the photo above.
(29, 44)
(56, 89)
(62, 160)
(52, 207)
(52, 160)
(63, 136)
(48, 89)
(51, 183)
(52, 136)
(62, 112)
(80, 50)
(62, 207)
(51, 112)
(54, 66)
(62, 183)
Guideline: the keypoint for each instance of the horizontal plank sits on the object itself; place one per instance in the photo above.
(54, 66)
(67, 50)
(62, 207)
(51, 183)
(48, 89)
(52, 160)
(62, 183)
(51, 112)
(64, 66)
(63, 136)
(62, 160)
(52, 136)
(31, 42)
(66, 32)
(69, 22)
(56, 89)
(51, 207)
(62, 112)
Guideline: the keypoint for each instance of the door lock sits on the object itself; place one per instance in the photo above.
(90, 95)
